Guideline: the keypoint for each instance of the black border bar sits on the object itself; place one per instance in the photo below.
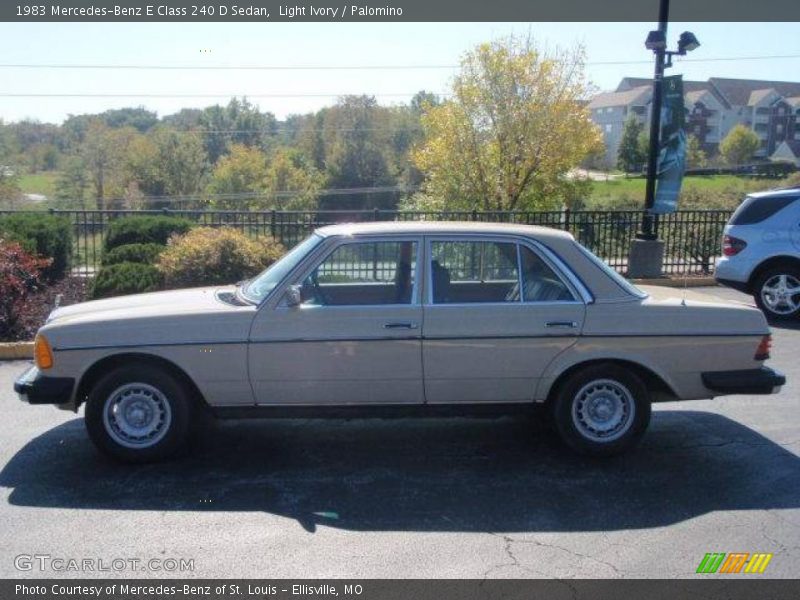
(394, 10)
(708, 587)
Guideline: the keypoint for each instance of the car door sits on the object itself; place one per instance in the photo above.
(497, 311)
(356, 336)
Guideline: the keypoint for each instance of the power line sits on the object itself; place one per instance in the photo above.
(231, 67)
(344, 67)
(334, 95)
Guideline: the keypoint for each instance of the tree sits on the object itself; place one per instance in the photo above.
(104, 151)
(249, 179)
(240, 122)
(166, 162)
(292, 180)
(516, 124)
(241, 172)
(72, 182)
(739, 145)
(696, 157)
(355, 153)
(630, 157)
(10, 192)
(139, 118)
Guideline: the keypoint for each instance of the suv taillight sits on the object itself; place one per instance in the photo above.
(731, 246)
(762, 352)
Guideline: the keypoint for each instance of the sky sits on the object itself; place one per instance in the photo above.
(333, 45)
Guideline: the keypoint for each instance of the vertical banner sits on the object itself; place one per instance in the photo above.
(672, 147)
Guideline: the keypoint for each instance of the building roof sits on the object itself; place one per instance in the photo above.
(756, 96)
(794, 101)
(689, 86)
(625, 98)
(738, 91)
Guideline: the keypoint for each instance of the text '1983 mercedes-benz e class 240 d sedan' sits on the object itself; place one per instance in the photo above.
(388, 319)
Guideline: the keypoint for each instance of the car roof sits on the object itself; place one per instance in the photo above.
(438, 227)
(776, 193)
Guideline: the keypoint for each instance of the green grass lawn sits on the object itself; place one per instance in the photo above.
(625, 192)
(43, 182)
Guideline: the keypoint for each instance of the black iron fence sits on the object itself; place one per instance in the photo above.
(692, 238)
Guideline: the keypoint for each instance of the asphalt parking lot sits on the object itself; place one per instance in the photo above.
(449, 498)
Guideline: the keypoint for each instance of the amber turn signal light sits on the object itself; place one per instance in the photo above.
(42, 352)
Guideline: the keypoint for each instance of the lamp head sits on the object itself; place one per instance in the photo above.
(656, 40)
(687, 42)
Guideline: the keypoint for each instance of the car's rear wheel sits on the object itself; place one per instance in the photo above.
(138, 413)
(777, 292)
(601, 410)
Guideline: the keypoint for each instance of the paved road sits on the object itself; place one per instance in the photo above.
(417, 498)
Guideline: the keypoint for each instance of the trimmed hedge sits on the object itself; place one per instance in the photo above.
(47, 236)
(151, 229)
(135, 253)
(207, 256)
(125, 278)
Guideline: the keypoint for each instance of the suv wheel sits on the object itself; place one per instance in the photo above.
(777, 292)
(138, 413)
(602, 410)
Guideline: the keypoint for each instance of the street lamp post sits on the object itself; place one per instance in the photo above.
(647, 251)
(657, 42)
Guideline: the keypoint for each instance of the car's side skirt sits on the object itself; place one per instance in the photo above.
(373, 411)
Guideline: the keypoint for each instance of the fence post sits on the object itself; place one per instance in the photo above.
(567, 213)
(272, 216)
(474, 214)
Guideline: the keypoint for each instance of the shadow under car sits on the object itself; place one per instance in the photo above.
(449, 474)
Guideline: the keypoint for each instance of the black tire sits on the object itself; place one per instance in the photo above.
(615, 388)
(788, 270)
(148, 391)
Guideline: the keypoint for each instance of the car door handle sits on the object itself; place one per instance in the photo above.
(562, 324)
(401, 325)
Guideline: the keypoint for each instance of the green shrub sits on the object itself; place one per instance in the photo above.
(125, 278)
(135, 253)
(155, 229)
(47, 236)
(206, 256)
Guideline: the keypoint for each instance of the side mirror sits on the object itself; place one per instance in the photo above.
(294, 296)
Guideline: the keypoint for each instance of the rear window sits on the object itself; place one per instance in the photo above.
(756, 209)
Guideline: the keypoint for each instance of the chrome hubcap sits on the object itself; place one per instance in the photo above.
(781, 294)
(137, 415)
(603, 410)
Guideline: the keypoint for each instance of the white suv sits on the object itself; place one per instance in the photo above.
(761, 247)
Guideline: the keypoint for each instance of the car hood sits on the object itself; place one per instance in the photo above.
(172, 317)
(138, 305)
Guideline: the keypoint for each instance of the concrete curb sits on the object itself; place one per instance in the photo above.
(678, 282)
(16, 350)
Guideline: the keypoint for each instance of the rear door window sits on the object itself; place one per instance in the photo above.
(755, 210)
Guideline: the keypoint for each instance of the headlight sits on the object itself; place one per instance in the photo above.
(42, 352)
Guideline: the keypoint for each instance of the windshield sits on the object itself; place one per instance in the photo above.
(619, 279)
(260, 286)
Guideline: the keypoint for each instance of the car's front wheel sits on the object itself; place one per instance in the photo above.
(777, 292)
(138, 413)
(601, 410)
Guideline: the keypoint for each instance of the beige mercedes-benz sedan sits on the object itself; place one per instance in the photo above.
(398, 319)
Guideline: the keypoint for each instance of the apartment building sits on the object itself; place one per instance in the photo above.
(770, 108)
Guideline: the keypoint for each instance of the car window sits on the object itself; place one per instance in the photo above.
(364, 273)
(539, 281)
(754, 209)
(468, 272)
(261, 285)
